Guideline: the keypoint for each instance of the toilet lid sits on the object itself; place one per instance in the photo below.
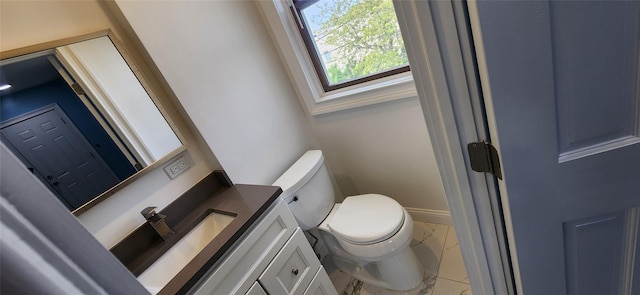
(367, 219)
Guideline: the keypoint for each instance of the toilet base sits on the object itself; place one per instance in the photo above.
(399, 272)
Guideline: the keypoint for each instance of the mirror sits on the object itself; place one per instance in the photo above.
(80, 119)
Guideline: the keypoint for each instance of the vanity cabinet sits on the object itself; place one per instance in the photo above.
(273, 258)
(321, 284)
(256, 289)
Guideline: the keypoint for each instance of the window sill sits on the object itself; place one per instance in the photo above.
(392, 88)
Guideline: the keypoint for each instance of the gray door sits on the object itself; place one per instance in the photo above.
(60, 155)
(561, 85)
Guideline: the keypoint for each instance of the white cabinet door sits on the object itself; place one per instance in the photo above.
(246, 262)
(321, 284)
(256, 289)
(293, 269)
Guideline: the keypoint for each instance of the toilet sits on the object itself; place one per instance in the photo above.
(367, 235)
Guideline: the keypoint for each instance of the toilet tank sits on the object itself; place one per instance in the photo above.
(307, 189)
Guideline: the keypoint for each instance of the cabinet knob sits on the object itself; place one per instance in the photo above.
(294, 271)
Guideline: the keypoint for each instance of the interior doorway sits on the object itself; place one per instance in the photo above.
(53, 148)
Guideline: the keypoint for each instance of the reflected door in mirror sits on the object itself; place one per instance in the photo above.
(114, 115)
(59, 155)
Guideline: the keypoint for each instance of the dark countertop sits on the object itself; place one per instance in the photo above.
(140, 249)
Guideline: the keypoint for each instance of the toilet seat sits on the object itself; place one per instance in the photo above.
(367, 219)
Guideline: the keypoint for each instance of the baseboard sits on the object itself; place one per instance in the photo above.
(430, 216)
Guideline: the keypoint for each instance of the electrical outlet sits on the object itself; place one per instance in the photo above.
(176, 167)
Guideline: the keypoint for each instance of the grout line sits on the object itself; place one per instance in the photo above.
(466, 277)
(442, 251)
(448, 279)
(469, 285)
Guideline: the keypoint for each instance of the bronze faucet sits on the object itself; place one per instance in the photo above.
(157, 221)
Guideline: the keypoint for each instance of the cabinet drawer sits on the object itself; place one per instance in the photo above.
(241, 268)
(293, 268)
(256, 289)
(321, 284)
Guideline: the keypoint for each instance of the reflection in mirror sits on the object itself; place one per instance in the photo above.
(80, 120)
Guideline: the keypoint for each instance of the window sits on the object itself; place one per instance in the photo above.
(284, 20)
(351, 41)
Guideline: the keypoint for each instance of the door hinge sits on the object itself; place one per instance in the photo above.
(484, 158)
(77, 88)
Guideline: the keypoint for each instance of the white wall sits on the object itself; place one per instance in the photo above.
(383, 148)
(25, 23)
(219, 60)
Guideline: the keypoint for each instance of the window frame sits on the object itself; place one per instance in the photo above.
(288, 41)
(296, 10)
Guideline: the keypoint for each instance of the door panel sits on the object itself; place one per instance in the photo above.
(561, 88)
(593, 249)
(597, 64)
(68, 164)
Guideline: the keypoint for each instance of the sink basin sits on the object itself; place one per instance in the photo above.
(170, 263)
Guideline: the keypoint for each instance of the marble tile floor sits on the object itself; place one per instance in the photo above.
(436, 246)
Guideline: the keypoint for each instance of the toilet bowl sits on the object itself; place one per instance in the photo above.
(369, 226)
(368, 235)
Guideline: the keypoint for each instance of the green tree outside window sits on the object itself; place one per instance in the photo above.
(362, 37)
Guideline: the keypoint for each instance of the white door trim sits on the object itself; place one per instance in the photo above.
(441, 62)
(486, 90)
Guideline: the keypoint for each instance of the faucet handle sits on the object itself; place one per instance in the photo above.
(148, 212)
